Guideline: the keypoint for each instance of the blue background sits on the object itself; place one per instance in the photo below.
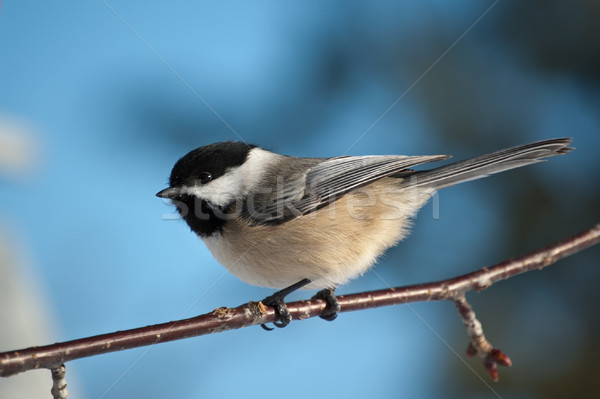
(114, 92)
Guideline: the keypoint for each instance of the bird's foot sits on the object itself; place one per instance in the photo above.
(277, 300)
(333, 306)
(281, 310)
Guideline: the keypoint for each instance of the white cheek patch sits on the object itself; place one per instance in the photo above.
(237, 182)
(220, 192)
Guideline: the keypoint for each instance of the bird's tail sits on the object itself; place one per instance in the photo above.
(499, 161)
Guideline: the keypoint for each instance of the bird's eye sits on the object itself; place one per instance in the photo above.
(205, 177)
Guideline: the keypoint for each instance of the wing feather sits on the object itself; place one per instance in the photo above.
(331, 179)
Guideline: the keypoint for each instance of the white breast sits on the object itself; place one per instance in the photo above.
(330, 246)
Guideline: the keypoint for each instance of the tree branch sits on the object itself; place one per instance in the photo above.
(253, 313)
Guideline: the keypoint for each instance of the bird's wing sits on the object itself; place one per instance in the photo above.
(331, 179)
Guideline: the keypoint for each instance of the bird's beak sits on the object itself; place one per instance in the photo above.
(170, 192)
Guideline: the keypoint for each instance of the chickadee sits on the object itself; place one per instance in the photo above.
(288, 222)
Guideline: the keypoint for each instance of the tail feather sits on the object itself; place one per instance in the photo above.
(482, 166)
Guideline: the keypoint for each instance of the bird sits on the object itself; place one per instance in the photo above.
(315, 223)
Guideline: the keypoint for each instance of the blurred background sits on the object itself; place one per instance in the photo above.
(99, 99)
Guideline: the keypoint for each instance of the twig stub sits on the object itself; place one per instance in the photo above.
(59, 384)
(479, 345)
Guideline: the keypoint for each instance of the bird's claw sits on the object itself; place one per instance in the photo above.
(283, 314)
(277, 300)
(333, 306)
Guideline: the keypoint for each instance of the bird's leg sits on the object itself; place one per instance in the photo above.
(277, 300)
(333, 306)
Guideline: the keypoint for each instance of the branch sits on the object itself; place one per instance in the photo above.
(253, 313)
